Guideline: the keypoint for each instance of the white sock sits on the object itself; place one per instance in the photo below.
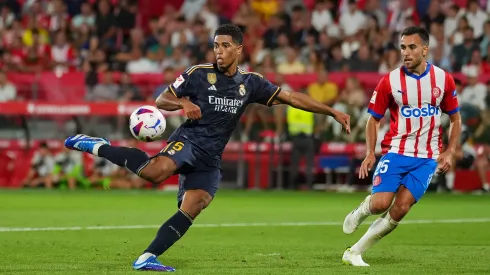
(486, 186)
(364, 209)
(144, 257)
(450, 180)
(380, 228)
(95, 151)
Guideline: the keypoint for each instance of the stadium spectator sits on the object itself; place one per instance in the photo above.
(178, 61)
(321, 17)
(108, 90)
(68, 169)
(451, 21)
(363, 61)
(351, 101)
(102, 172)
(323, 90)
(476, 17)
(191, 8)
(86, 17)
(338, 63)
(59, 20)
(180, 33)
(6, 18)
(461, 53)
(94, 58)
(291, 65)
(63, 55)
(125, 13)
(391, 61)
(8, 92)
(105, 23)
(301, 130)
(352, 20)
(475, 92)
(42, 166)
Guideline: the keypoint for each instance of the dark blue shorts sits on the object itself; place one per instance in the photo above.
(195, 171)
(394, 170)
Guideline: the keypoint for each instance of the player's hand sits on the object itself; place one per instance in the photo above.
(445, 161)
(191, 110)
(367, 165)
(343, 119)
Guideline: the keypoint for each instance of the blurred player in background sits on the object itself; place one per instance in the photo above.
(42, 166)
(213, 97)
(416, 94)
(68, 169)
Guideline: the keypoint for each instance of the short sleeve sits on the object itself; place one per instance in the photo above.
(380, 99)
(182, 86)
(449, 104)
(265, 92)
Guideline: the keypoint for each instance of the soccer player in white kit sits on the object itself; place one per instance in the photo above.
(416, 95)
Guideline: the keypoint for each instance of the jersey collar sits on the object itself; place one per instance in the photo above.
(215, 65)
(417, 77)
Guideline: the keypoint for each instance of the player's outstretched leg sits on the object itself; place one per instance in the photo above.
(132, 158)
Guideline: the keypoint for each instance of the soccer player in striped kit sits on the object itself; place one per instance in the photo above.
(416, 95)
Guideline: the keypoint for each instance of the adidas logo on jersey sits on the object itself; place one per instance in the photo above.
(212, 88)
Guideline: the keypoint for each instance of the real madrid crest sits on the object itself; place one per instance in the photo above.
(242, 90)
(211, 78)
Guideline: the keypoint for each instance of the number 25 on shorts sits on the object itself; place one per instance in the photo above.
(176, 146)
(382, 167)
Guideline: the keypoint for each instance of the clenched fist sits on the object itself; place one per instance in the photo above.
(191, 110)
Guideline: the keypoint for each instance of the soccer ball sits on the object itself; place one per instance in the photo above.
(147, 123)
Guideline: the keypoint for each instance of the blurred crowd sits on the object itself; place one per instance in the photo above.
(280, 36)
(284, 36)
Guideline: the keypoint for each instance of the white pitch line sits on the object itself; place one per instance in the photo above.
(209, 225)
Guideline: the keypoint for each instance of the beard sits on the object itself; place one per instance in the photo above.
(416, 63)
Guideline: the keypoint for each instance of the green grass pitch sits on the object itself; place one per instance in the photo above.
(242, 232)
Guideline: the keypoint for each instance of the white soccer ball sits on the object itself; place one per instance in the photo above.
(147, 123)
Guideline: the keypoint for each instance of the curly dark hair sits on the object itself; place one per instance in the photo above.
(232, 30)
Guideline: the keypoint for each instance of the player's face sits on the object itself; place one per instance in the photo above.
(413, 50)
(226, 51)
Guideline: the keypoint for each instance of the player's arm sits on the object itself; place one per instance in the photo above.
(176, 97)
(450, 106)
(454, 132)
(306, 103)
(169, 102)
(372, 128)
(303, 102)
(378, 104)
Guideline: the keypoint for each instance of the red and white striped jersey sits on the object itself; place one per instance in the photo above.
(416, 103)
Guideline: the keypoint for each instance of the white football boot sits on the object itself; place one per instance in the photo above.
(354, 259)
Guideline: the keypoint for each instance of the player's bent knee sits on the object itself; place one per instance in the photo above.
(380, 204)
(159, 169)
(195, 201)
(398, 211)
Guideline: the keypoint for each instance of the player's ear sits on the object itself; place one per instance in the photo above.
(425, 50)
(239, 49)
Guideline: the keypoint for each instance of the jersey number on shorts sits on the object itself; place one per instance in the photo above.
(176, 146)
(382, 167)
